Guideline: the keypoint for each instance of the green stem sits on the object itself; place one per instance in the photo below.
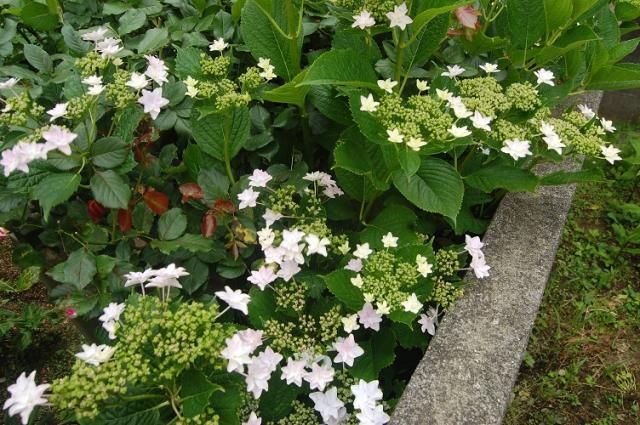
(398, 68)
(227, 157)
(307, 148)
(294, 28)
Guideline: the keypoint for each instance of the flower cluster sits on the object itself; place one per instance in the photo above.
(477, 111)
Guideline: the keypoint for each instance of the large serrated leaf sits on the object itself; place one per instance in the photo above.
(498, 176)
(56, 189)
(222, 135)
(436, 187)
(339, 284)
(379, 352)
(110, 189)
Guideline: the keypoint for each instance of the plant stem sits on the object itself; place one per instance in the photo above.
(227, 157)
(307, 147)
(294, 51)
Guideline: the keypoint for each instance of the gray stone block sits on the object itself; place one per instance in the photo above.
(469, 370)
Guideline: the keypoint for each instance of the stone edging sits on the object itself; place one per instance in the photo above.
(469, 370)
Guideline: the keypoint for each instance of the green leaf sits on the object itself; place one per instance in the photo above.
(394, 218)
(188, 63)
(153, 39)
(498, 176)
(341, 67)
(127, 121)
(290, 92)
(268, 38)
(222, 135)
(28, 277)
(195, 392)
(172, 224)
(38, 58)
(607, 27)
(227, 403)
(277, 402)
(39, 17)
(190, 242)
(571, 40)
(426, 16)
(358, 187)
(436, 187)
(109, 152)
(110, 189)
(339, 284)
(526, 21)
(369, 125)
(557, 14)
(379, 352)
(136, 413)
(73, 40)
(80, 268)
(131, 20)
(198, 275)
(356, 155)
(569, 177)
(214, 184)
(262, 306)
(426, 42)
(623, 76)
(56, 189)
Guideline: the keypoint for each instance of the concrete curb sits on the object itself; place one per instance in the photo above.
(469, 370)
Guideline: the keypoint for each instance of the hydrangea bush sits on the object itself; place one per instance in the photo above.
(266, 206)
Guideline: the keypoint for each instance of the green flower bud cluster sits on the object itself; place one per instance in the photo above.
(447, 262)
(503, 129)
(301, 414)
(216, 67)
(306, 334)
(634, 3)
(18, 110)
(421, 117)
(343, 382)
(576, 118)
(210, 89)
(118, 92)
(336, 242)
(208, 417)
(248, 404)
(155, 344)
(251, 79)
(187, 336)
(330, 324)
(587, 143)
(291, 295)
(282, 200)
(483, 94)
(78, 106)
(377, 8)
(388, 278)
(446, 293)
(90, 63)
(231, 100)
(428, 114)
(523, 96)
(89, 387)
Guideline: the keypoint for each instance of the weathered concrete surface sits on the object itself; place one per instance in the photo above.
(471, 365)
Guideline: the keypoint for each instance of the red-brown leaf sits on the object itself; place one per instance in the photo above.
(223, 206)
(157, 202)
(96, 210)
(208, 225)
(191, 191)
(125, 220)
